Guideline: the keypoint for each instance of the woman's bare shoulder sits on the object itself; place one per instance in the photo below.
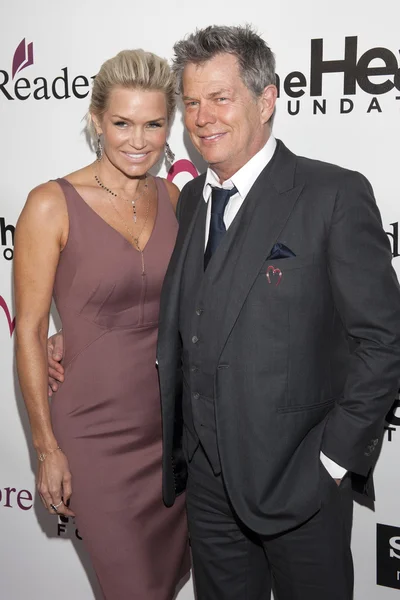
(49, 197)
(46, 199)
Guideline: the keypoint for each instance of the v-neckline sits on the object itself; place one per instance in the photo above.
(113, 228)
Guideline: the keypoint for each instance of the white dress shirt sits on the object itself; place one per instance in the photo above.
(243, 180)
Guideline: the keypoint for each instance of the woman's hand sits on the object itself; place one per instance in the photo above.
(54, 483)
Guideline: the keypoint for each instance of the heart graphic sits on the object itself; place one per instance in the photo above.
(276, 275)
(11, 322)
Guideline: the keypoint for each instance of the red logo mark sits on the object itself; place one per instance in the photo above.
(23, 57)
(182, 166)
(271, 270)
(11, 323)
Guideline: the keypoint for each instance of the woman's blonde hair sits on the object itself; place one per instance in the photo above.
(135, 69)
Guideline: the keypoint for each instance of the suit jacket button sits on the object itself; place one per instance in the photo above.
(196, 395)
(195, 339)
(199, 311)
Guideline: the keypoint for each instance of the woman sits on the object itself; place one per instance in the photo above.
(99, 240)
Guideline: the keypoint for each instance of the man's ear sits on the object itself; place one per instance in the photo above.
(268, 101)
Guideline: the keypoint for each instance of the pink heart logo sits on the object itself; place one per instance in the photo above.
(276, 275)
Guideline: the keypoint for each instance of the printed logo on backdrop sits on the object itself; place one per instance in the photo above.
(7, 238)
(394, 239)
(23, 57)
(7, 314)
(59, 85)
(388, 556)
(66, 527)
(393, 419)
(182, 166)
(11, 497)
(393, 416)
(366, 80)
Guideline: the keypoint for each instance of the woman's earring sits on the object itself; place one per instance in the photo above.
(99, 149)
(169, 155)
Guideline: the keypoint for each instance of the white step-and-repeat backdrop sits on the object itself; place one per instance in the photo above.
(339, 81)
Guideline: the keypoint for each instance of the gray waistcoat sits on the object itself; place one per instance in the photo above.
(200, 294)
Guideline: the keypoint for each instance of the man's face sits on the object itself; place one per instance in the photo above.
(226, 123)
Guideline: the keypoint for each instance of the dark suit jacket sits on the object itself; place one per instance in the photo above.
(308, 360)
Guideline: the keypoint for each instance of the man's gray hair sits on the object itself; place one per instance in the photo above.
(256, 61)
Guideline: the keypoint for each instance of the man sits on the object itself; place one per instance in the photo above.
(282, 313)
(279, 340)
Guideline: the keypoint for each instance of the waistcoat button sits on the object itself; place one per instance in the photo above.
(195, 339)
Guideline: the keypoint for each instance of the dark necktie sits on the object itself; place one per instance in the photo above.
(219, 200)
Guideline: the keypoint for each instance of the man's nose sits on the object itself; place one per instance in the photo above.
(205, 115)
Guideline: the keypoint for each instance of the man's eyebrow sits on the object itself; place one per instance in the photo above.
(216, 94)
(220, 92)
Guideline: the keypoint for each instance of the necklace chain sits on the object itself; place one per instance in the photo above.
(134, 237)
(133, 201)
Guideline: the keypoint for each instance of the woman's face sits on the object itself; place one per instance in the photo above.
(134, 129)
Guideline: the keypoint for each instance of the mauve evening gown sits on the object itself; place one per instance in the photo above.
(106, 415)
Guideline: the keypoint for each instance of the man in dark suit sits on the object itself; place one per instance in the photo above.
(279, 340)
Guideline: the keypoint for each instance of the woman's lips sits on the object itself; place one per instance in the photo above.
(136, 156)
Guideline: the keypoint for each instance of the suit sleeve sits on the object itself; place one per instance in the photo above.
(367, 297)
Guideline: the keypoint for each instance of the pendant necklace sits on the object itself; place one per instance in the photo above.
(133, 202)
(134, 237)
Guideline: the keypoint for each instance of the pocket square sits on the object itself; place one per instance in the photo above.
(280, 251)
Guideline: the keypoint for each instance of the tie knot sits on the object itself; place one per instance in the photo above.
(219, 198)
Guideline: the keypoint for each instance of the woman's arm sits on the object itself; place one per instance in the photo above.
(40, 236)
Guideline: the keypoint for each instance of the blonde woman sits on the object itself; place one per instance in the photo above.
(99, 241)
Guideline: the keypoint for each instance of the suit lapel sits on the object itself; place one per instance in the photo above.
(265, 213)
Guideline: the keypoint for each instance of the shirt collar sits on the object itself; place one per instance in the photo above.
(243, 179)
